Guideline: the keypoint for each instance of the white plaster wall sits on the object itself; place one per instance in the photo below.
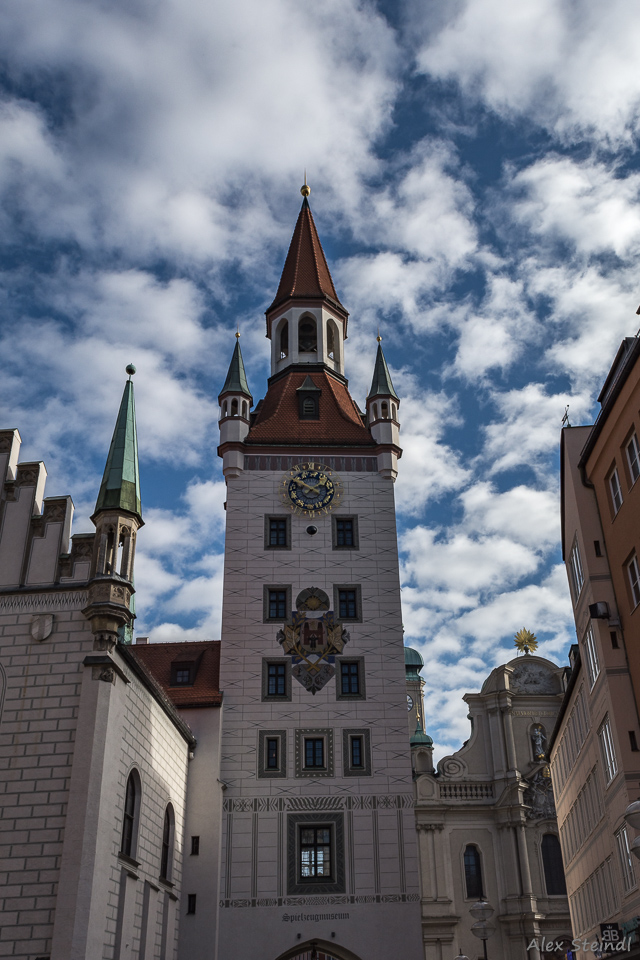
(380, 836)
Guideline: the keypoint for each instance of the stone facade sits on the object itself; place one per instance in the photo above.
(488, 809)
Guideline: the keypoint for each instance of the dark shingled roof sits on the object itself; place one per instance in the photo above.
(278, 420)
(305, 274)
(158, 657)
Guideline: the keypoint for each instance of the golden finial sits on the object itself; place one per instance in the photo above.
(379, 338)
(238, 332)
(525, 640)
(305, 189)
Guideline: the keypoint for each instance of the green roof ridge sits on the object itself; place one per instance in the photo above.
(381, 385)
(236, 381)
(120, 487)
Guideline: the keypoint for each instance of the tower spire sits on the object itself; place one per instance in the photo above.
(236, 381)
(120, 487)
(305, 275)
(381, 385)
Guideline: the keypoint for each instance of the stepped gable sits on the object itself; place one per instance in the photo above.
(305, 274)
(158, 659)
(278, 420)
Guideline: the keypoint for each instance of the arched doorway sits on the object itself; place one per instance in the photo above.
(318, 950)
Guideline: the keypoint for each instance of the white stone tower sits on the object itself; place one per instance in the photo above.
(319, 844)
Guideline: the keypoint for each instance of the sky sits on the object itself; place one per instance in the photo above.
(475, 181)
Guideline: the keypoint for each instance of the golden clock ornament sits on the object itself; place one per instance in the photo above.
(311, 489)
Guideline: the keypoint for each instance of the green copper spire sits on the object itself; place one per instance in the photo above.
(120, 488)
(381, 385)
(236, 381)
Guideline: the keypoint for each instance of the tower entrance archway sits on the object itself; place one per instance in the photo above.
(318, 950)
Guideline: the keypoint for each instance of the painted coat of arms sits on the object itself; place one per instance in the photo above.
(312, 642)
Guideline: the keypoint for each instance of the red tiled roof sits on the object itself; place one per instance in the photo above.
(278, 420)
(305, 274)
(158, 657)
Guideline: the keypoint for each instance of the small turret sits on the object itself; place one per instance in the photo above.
(235, 404)
(117, 518)
(382, 416)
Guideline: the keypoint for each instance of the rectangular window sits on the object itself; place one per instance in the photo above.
(357, 752)
(626, 861)
(314, 752)
(272, 753)
(616, 490)
(191, 903)
(591, 653)
(183, 674)
(596, 547)
(633, 740)
(347, 602)
(316, 855)
(345, 533)
(350, 677)
(608, 751)
(277, 680)
(633, 458)
(634, 580)
(575, 571)
(277, 535)
(614, 639)
(195, 846)
(276, 603)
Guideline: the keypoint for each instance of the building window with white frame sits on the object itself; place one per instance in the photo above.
(626, 861)
(591, 656)
(633, 458)
(608, 751)
(575, 569)
(634, 580)
(616, 490)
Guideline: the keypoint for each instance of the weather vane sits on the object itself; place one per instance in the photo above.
(565, 420)
(525, 641)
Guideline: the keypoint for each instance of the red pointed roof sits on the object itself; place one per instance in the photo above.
(278, 419)
(305, 274)
(205, 654)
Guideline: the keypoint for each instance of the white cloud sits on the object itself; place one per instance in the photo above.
(569, 67)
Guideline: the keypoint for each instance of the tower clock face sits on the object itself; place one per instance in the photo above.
(409, 702)
(311, 489)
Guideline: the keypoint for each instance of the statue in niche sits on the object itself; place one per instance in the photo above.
(539, 740)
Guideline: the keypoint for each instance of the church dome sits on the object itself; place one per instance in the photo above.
(413, 662)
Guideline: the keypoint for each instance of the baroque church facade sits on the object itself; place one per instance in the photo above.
(254, 796)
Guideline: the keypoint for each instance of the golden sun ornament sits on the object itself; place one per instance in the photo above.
(525, 640)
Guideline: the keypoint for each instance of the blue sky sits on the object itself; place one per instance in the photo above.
(475, 181)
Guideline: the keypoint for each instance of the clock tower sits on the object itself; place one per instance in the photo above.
(318, 837)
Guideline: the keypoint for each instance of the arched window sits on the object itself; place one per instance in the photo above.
(130, 818)
(166, 860)
(307, 336)
(393, 411)
(234, 408)
(331, 341)
(224, 409)
(375, 411)
(245, 410)
(284, 340)
(309, 407)
(473, 873)
(385, 409)
(553, 868)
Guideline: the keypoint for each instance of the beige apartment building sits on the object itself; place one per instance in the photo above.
(595, 762)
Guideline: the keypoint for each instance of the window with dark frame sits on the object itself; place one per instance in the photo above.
(315, 853)
(344, 532)
(314, 752)
(195, 846)
(183, 674)
(473, 873)
(272, 751)
(277, 532)
(191, 903)
(357, 752)
(167, 843)
(348, 604)
(277, 604)
(349, 677)
(129, 818)
(276, 680)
